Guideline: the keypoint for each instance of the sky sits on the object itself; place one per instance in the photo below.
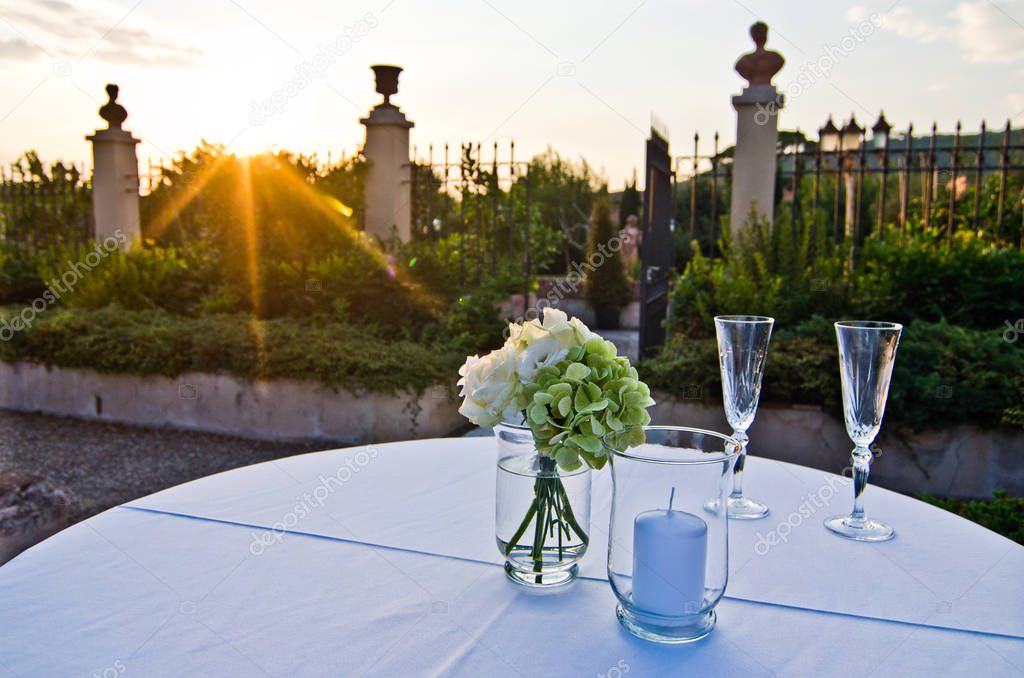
(584, 78)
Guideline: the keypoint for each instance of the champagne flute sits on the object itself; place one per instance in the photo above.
(867, 353)
(742, 351)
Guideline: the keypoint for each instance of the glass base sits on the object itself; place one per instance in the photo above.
(740, 508)
(687, 630)
(546, 579)
(860, 529)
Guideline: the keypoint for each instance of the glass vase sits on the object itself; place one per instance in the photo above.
(668, 554)
(542, 513)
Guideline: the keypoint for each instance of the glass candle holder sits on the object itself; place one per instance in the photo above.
(668, 551)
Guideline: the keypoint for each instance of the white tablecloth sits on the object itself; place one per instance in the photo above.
(381, 560)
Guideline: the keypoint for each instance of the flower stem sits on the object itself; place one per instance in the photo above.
(522, 528)
(551, 510)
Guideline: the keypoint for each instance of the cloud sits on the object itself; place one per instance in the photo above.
(16, 49)
(906, 23)
(988, 33)
(985, 32)
(856, 14)
(65, 31)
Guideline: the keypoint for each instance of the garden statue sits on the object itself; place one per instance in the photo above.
(113, 112)
(761, 65)
(632, 237)
(757, 124)
(387, 192)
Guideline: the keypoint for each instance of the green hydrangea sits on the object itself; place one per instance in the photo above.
(571, 405)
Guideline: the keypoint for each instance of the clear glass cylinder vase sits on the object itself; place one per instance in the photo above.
(542, 513)
(668, 554)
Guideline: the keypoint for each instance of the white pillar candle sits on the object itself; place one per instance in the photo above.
(670, 551)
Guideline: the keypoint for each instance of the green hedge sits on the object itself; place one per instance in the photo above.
(785, 272)
(155, 342)
(944, 374)
(1003, 514)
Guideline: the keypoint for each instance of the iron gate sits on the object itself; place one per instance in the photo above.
(656, 247)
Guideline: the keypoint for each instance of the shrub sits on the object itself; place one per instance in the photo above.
(605, 287)
(175, 279)
(20, 281)
(1003, 514)
(792, 274)
(944, 374)
(120, 341)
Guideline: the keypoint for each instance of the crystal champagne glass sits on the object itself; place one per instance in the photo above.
(867, 353)
(742, 351)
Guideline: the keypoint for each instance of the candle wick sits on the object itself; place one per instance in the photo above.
(671, 498)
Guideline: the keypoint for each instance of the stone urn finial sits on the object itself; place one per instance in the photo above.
(387, 80)
(113, 112)
(758, 67)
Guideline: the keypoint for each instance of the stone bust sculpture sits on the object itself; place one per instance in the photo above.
(113, 112)
(758, 67)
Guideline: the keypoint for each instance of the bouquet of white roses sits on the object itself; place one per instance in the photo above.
(566, 382)
(568, 385)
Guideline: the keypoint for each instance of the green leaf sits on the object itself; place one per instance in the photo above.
(634, 399)
(595, 406)
(634, 416)
(581, 400)
(577, 372)
(567, 458)
(537, 414)
(564, 406)
(588, 443)
(560, 389)
(542, 398)
(600, 347)
(594, 461)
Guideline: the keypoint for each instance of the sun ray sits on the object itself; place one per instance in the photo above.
(191, 189)
(251, 233)
(338, 214)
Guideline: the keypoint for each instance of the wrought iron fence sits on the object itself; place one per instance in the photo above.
(486, 203)
(42, 208)
(858, 185)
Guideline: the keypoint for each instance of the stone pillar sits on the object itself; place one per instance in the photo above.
(757, 117)
(388, 187)
(115, 177)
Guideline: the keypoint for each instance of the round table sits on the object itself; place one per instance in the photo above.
(381, 560)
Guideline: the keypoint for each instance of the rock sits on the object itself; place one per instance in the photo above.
(31, 509)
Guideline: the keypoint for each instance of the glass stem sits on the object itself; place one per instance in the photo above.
(861, 459)
(737, 475)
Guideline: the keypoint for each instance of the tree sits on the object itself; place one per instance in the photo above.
(630, 203)
(605, 286)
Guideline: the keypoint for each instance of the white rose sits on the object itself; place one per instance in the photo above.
(540, 353)
(583, 333)
(489, 386)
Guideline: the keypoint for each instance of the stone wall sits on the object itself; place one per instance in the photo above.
(962, 461)
(280, 409)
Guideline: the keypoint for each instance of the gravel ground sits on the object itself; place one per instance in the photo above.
(108, 464)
